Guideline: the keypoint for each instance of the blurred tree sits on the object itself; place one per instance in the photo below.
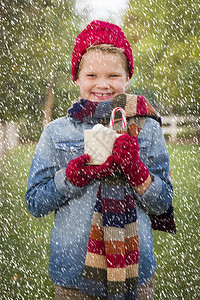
(165, 36)
(38, 38)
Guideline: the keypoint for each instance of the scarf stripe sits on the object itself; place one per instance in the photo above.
(82, 110)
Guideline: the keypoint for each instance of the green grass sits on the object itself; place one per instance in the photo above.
(25, 240)
(177, 255)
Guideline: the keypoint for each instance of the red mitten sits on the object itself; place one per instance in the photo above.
(73, 170)
(126, 155)
(97, 172)
(80, 174)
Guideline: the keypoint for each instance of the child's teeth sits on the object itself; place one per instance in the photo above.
(101, 94)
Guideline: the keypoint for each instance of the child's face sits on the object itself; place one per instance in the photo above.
(102, 76)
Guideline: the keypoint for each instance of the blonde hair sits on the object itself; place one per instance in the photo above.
(107, 48)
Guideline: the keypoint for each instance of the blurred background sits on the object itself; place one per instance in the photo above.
(37, 39)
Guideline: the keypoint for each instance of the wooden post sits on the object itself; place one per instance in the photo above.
(48, 103)
(2, 140)
(9, 138)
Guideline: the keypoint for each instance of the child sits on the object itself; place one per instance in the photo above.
(101, 211)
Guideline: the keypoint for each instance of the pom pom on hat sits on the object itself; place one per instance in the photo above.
(100, 32)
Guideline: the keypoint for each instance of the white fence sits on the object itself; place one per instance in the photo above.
(172, 124)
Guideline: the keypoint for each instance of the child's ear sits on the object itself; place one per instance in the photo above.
(127, 82)
(77, 82)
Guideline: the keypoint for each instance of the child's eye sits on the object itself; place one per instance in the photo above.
(114, 75)
(91, 75)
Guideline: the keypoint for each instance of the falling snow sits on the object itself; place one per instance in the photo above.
(36, 86)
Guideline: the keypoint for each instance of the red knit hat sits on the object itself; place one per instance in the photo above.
(100, 32)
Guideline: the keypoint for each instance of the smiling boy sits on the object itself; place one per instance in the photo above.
(103, 73)
(117, 196)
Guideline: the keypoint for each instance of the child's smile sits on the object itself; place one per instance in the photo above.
(103, 96)
(102, 76)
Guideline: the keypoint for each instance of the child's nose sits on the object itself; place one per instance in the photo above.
(103, 83)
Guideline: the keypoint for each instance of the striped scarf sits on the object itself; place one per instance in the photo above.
(111, 265)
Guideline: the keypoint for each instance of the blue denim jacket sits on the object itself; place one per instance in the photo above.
(48, 191)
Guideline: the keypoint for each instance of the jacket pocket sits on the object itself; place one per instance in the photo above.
(144, 146)
(68, 150)
(70, 146)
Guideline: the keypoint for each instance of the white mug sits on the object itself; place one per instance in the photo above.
(99, 141)
(99, 144)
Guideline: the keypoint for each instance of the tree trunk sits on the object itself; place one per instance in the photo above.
(48, 103)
